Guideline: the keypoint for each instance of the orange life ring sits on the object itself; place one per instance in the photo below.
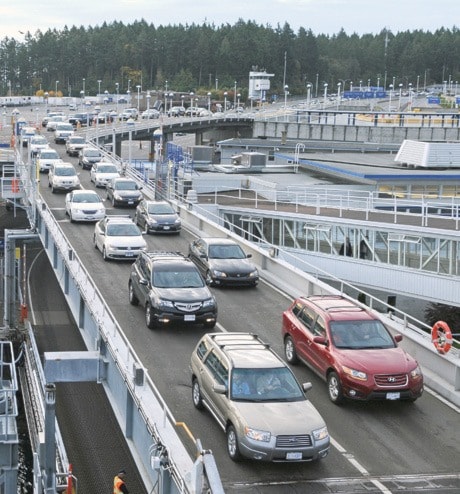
(441, 336)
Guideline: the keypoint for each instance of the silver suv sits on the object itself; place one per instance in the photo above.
(256, 400)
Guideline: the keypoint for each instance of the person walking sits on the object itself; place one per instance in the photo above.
(119, 486)
(346, 248)
(364, 248)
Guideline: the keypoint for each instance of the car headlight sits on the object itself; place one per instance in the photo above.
(165, 303)
(322, 433)
(152, 221)
(416, 373)
(209, 302)
(254, 274)
(177, 222)
(257, 435)
(117, 197)
(219, 274)
(355, 374)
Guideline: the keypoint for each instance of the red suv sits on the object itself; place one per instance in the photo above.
(351, 349)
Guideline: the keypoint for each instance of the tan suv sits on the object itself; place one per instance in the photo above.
(256, 400)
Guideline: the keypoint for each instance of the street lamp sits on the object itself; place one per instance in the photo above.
(55, 92)
(225, 101)
(209, 102)
(191, 100)
(171, 97)
(84, 81)
(99, 87)
(339, 85)
(129, 86)
(308, 95)
(410, 96)
(400, 94)
(238, 105)
(82, 95)
(391, 93)
(182, 99)
(360, 85)
(138, 96)
(234, 96)
(148, 96)
(325, 95)
(286, 91)
(117, 86)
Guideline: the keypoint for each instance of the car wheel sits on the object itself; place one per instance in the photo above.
(196, 395)
(149, 319)
(232, 444)
(334, 388)
(53, 190)
(290, 352)
(113, 202)
(70, 217)
(209, 279)
(104, 254)
(133, 300)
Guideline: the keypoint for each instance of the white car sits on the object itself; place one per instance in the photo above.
(63, 132)
(74, 145)
(63, 176)
(53, 121)
(101, 173)
(37, 143)
(46, 158)
(84, 205)
(117, 237)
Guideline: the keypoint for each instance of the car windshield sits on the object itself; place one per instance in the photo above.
(160, 209)
(92, 153)
(259, 385)
(123, 230)
(92, 198)
(226, 252)
(182, 278)
(39, 140)
(65, 172)
(126, 185)
(77, 140)
(65, 127)
(107, 169)
(358, 335)
(49, 155)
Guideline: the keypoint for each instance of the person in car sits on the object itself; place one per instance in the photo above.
(239, 385)
(267, 383)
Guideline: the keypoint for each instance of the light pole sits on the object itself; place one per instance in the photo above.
(286, 91)
(84, 82)
(325, 95)
(316, 90)
(400, 94)
(182, 99)
(391, 93)
(209, 102)
(239, 96)
(191, 101)
(339, 85)
(360, 86)
(117, 86)
(351, 86)
(138, 97)
(225, 101)
(410, 96)
(82, 95)
(368, 84)
(55, 92)
(148, 96)
(99, 87)
(234, 96)
(171, 98)
(129, 86)
(308, 95)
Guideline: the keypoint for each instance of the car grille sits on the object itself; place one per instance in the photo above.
(134, 247)
(300, 441)
(89, 211)
(188, 307)
(391, 380)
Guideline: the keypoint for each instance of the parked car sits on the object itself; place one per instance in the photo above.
(157, 217)
(46, 158)
(129, 113)
(171, 290)
(117, 237)
(37, 143)
(102, 172)
(151, 113)
(62, 132)
(74, 145)
(123, 191)
(350, 348)
(256, 399)
(63, 176)
(223, 262)
(88, 156)
(176, 111)
(192, 111)
(84, 205)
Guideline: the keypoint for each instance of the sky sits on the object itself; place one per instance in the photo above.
(321, 16)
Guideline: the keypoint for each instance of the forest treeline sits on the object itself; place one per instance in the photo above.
(217, 58)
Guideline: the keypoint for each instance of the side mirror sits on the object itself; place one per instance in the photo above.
(321, 340)
(398, 337)
(220, 389)
(248, 256)
(307, 386)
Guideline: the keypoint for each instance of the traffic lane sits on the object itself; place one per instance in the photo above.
(401, 430)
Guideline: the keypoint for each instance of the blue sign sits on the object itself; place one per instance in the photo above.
(434, 100)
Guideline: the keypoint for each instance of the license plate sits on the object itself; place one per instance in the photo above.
(166, 228)
(130, 202)
(189, 317)
(393, 396)
(129, 254)
(294, 455)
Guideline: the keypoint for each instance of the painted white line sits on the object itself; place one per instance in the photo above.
(441, 398)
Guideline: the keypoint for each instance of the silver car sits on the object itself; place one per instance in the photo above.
(256, 400)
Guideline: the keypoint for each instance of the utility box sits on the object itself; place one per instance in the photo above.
(251, 161)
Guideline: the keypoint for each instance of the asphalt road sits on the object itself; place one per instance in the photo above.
(376, 447)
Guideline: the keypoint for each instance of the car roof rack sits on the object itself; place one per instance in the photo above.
(164, 253)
